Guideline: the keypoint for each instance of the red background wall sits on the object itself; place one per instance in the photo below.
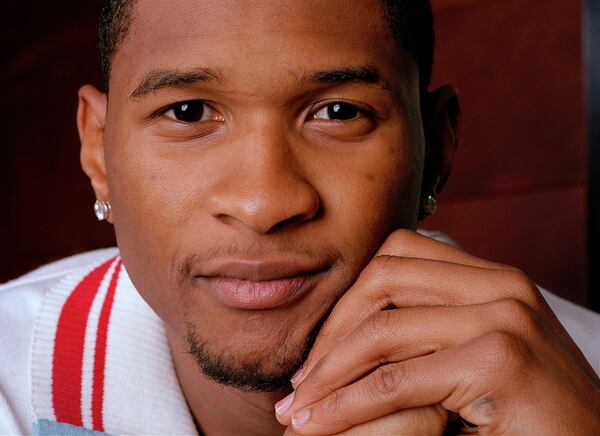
(517, 194)
(518, 191)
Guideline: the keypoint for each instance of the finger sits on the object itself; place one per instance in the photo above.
(408, 243)
(383, 274)
(397, 335)
(419, 421)
(467, 379)
(390, 281)
(407, 282)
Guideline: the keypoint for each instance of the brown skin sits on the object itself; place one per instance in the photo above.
(265, 173)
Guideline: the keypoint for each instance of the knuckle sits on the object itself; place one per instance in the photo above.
(333, 405)
(521, 317)
(374, 278)
(523, 288)
(505, 352)
(385, 381)
(518, 276)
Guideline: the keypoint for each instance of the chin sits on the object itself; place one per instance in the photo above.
(259, 362)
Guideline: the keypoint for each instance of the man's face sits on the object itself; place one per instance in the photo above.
(299, 150)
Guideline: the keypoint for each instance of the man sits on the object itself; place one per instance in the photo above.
(265, 165)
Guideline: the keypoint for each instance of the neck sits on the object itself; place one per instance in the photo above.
(219, 409)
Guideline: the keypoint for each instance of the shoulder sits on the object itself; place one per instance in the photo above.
(582, 324)
(60, 267)
(20, 302)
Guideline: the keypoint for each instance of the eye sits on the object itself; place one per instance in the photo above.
(190, 111)
(337, 111)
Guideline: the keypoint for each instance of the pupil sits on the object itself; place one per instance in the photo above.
(342, 111)
(189, 111)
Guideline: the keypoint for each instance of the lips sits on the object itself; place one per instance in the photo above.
(255, 285)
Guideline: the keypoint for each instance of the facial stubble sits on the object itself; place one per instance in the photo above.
(258, 373)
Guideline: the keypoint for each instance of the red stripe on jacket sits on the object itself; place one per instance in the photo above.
(69, 343)
(100, 354)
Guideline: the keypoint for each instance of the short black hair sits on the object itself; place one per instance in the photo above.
(113, 26)
(410, 21)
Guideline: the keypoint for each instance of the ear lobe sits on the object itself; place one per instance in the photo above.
(442, 125)
(91, 118)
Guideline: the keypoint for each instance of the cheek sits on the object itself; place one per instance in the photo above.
(375, 195)
(154, 189)
(146, 204)
(149, 196)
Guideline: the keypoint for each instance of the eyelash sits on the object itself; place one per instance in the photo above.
(360, 110)
(163, 111)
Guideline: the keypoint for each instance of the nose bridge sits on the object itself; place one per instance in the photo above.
(266, 187)
(266, 148)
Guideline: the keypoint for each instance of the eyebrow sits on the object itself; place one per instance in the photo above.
(158, 79)
(365, 74)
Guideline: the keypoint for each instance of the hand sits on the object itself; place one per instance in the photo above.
(430, 420)
(425, 325)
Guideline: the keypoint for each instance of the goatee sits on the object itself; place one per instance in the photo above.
(251, 375)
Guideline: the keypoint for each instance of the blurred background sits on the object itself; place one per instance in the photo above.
(518, 194)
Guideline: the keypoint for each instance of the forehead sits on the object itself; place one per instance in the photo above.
(258, 38)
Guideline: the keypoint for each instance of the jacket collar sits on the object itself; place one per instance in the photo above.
(100, 359)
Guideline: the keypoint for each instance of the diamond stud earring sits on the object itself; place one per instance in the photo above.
(101, 209)
(429, 205)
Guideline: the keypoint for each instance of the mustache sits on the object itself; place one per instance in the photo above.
(244, 249)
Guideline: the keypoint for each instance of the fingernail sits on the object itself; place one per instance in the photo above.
(283, 405)
(298, 374)
(300, 418)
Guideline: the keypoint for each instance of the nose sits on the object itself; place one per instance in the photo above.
(264, 189)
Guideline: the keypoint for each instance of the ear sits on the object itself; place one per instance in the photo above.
(91, 119)
(441, 120)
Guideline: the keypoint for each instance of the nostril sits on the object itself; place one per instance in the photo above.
(292, 221)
